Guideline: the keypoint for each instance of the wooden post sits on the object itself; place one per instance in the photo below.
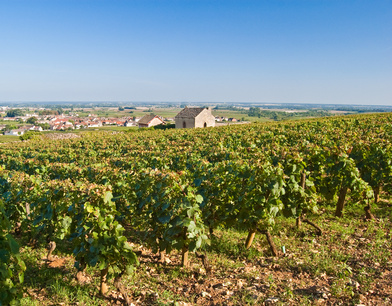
(249, 239)
(340, 204)
(298, 222)
(185, 250)
(162, 256)
(303, 185)
(104, 287)
(376, 192)
(28, 210)
(184, 259)
(303, 180)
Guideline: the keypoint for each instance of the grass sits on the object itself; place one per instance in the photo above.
(138, 112)
(238, 115)
(105, 128)
(6, 138)
(343, 266)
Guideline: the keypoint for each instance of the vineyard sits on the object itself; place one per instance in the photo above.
(205, 216)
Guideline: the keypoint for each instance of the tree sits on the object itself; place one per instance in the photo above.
(15, 112)
(32, 120)
(45, 126)
(10, 127)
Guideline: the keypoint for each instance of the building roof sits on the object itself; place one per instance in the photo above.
(190, 112)
(148, 118)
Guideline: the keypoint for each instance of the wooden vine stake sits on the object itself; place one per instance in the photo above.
(185, 252)
(104, 287)
(28, 210)
(249, 239)
(376, 192)
(184, 259)
(162, 256)
(302, 183)
(298, 222)
(340, 204)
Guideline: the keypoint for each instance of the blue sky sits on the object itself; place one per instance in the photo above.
(281, 51)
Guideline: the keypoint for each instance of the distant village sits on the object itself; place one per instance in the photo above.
(62, 122)
(17, 124)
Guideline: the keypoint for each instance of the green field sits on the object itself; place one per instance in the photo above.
(238, 115)
(5, 139)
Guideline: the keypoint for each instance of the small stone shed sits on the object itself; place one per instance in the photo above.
(194, 117)
(150, 120)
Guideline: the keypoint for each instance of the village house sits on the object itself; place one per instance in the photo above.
(93, 122)
(15, 132)
(107, 122)
(81, 124)
(120, 122)
(192, 117)
(129, 123)
(150, 120)
(36, 128)
(61, 124)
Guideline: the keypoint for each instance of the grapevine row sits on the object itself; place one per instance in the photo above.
(176, 187)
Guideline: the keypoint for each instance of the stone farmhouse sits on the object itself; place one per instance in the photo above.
(194, 117)
(150, 120)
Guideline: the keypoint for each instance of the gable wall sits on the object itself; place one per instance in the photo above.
(190, 122)
(205, 117)
(154, 122)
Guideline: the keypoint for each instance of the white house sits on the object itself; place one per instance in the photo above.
(16, 132)
(36, 128)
